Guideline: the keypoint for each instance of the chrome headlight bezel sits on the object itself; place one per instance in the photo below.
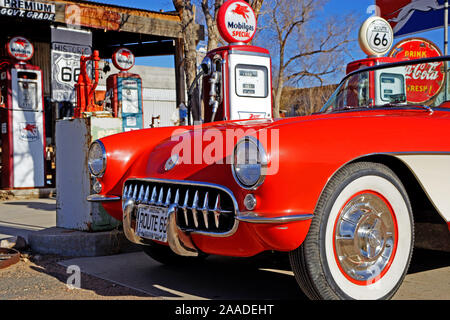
(101, 159)
(262, 160)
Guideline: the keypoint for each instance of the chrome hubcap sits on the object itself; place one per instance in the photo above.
(365, 237)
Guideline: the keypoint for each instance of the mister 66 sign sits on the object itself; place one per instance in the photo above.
(67, 47)
(376, 36)
(66, 68)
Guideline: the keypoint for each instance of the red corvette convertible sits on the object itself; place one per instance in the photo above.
(338, 190)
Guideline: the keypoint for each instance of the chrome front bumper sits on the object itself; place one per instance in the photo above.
(179, 242)
(135, 193)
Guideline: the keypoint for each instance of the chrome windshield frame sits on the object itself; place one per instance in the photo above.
(380, 66)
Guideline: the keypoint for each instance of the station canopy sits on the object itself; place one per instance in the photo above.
(146, 33)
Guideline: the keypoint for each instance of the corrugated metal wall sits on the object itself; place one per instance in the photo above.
(159, 93)
(164, 109)
(41, 59)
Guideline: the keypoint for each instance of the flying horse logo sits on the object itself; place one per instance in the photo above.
(29, 132)
(405, 13)
(242, 11)
(21, 43)
(126, 54)
(31, 128)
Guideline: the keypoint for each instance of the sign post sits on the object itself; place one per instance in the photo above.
(446, 46)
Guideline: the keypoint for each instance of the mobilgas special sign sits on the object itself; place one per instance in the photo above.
(236, 21)
(28, 9)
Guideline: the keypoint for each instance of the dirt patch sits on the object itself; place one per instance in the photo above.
(6, 195)
(41, 278)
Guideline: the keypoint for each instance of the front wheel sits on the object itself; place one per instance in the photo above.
(360, 242)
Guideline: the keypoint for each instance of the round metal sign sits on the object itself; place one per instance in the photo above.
(376, 36)
(123, 59)
(20, 49)
(423, 81)
(236, 21)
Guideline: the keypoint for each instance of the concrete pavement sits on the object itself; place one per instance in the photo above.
(23, 217)
(215, 278)
(35, 221)
(263, 277)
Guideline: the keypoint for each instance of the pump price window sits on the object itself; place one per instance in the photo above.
(392, 85)
(251, 81)
(130, 99)
(27, 95)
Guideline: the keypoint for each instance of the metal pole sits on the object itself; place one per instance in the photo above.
(446, 27)
(446, 46)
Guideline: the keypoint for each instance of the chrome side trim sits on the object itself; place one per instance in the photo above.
(253, 217)
(102, 198)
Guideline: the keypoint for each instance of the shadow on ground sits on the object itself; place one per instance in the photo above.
(38, 205)
(424, 260)
(266, 276)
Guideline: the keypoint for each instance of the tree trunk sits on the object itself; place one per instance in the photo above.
(277, 96)
(187, 13)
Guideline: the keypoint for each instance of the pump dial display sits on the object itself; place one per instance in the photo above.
(251, 81)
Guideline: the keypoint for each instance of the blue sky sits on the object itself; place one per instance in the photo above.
(335, 7)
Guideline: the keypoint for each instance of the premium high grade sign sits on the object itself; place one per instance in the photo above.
(423, 81)
(28, 9)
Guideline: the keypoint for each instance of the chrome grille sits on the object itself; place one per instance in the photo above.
(200, 206)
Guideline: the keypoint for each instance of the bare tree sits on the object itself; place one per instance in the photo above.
(190, 39)
(305, 46)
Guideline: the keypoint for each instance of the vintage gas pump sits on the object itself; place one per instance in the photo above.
(85, 87)
(236, 78)
(378, 87)
(124, 91)
(21, 118)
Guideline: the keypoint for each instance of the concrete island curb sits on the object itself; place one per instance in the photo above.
(73, 243)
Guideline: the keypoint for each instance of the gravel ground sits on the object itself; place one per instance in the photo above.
(41, 278)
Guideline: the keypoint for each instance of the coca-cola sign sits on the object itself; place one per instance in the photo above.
(20, 48)
(236, 21)
(123, 59)
(423, 81)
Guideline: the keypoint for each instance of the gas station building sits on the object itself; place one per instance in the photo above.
(62, 31)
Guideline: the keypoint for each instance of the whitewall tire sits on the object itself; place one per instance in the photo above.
(361, 238)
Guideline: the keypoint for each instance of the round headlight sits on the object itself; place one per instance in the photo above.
(97, 158)
(249, 163)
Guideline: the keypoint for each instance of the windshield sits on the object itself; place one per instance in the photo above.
(415, 82)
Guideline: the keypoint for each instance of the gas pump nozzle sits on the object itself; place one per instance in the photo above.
(213, 94)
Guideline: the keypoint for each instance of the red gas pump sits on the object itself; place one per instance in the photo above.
(124, 91)
(85, 86)
(375, 88)
(21, 118)
(236, 78)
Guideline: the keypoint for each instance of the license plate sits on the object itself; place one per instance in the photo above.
(152, 223)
